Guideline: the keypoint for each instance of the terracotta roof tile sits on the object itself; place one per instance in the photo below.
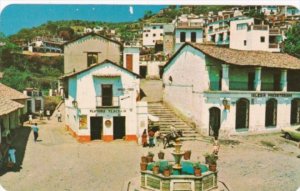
(8, 106)
(11, 93)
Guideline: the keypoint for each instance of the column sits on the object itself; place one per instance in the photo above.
(283, 80)
(257, 80)
(225, 78)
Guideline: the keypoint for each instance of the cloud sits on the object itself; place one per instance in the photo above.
(131, 10)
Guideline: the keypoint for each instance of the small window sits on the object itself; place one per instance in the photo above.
(182, 36)
(154, 27)
(262, 39)
(193, 36)
(245, 43)
(146, 35)
(161, 34)
(241, 26)
(161, 27)
(92, 58)
(154, 34)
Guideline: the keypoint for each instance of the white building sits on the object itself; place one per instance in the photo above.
(218, 31)
(131, 57)
(151, 33)
(245, 35)
(188, 28)
(35, 103)
(102, 103)
(225, 91)
(269, 10)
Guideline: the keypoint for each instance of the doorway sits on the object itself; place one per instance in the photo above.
(96, 127)
(242, 114)
(107, 93)
(119, 127)
(129, 62)
(214, 121)
(295, 112)
(271, 113)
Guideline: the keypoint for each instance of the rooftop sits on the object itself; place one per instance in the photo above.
(8, 106)
(10, 93)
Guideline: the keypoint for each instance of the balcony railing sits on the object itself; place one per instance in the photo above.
(107, 101)
(274, 31)
(273, 45)
(189, 24)
(260, 27)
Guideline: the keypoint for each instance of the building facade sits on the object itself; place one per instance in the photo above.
(102, 102)
(245, 35)
(225, 91)
(152, 33)
(35, 103)
(90, 49)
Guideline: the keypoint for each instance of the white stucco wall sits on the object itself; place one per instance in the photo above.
(86, 86)
(135, 52)
(148, 32)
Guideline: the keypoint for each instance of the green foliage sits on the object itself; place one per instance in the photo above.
(292, 42)
(51, 102)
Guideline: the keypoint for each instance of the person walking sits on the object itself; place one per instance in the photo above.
(11, 157)
(35, 129)
(58, 115)
(41, 114)
(48, 114)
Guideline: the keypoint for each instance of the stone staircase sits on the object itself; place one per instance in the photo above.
(167, 117)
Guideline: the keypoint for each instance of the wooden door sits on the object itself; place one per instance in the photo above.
(96, 124)
(119, 127)
(129, 62)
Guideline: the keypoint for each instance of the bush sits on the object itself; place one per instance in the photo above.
(51, 102)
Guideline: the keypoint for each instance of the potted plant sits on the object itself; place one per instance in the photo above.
(197, 169)
(144, 159)
(187, 155)
(155, 168)
(167, 170)
(212, 162)
(161, 155)
(143, 166)
(150, 156)
(206, 156)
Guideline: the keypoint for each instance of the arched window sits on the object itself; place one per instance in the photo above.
(295, 111)
(242, 114)
(271, 113)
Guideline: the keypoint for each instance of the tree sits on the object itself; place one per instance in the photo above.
(148, 14)
(292, 42)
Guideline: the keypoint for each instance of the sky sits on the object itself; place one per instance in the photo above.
(15, 17)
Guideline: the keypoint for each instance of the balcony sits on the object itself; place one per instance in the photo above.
(107, 101)
(260, 27)
(274, 32)
(189, 25)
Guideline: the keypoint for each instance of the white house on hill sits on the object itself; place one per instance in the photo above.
(225, 91)
(102, 102)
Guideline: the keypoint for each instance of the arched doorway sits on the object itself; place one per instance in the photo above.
(214, 121)
(295, 111)
(271, 113)
(242, 114)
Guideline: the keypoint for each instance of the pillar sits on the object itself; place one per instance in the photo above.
(225, 77)
(283, 80)
(257, 80)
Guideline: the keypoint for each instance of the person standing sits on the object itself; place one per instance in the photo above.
(48, 114)
(11, 157)
(41, 114)
(35, 129)
(144, 138)
(30, 118)
(58, 116)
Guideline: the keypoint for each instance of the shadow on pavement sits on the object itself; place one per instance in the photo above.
(19, 143)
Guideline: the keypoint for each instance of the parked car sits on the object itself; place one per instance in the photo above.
(291, 133)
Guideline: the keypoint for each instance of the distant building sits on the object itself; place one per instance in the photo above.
(89, 49)
(169, 40)
(152, 33)
(237, 92)
(102, 102)
(35, 103)
(188, 28)
(43, 44)
(269, 10)
(245, 35)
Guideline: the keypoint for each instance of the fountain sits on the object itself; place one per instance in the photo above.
(177, 154)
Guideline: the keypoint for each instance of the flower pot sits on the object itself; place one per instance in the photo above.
(187, 155)
(212, 167)
(161, 155)
(144, 159)
(197, 171)
(155, 169)
(149, 158)
(167, 172)
(143, 166)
